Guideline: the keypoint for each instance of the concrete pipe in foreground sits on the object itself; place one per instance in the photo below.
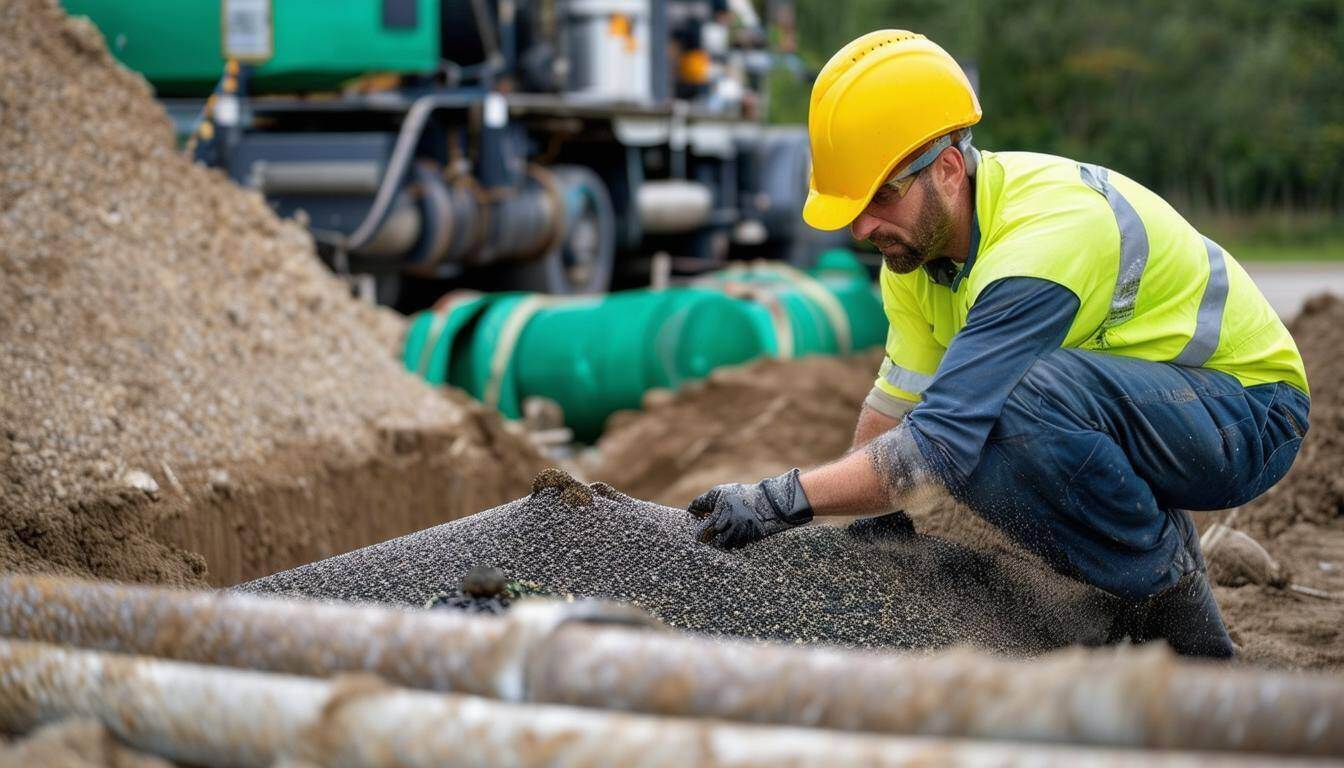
(214, 716)
(552, 652)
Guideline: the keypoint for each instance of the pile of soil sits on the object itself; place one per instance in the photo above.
(188, 394)
(1313, 491)
(874, 584)
(741, 424)
(1299, 521)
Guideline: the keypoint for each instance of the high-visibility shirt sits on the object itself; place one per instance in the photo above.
(1148, 284)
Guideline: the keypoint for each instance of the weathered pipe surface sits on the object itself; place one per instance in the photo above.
(212, 716)
(1122, 698)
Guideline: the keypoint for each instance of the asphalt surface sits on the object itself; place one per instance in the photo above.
(1289, 285)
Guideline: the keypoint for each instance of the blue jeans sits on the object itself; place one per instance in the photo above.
(1095, 456)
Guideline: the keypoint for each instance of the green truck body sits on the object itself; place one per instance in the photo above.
(316, 44)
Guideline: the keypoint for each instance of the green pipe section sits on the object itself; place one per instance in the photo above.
(597, 355)
(614, 350)
(833, 308)
(429, 340)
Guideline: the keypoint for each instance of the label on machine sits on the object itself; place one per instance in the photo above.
(248, 31)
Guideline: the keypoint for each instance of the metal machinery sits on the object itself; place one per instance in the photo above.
(547, 145)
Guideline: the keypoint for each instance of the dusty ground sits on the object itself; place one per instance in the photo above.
(763, 418)
(188, 395)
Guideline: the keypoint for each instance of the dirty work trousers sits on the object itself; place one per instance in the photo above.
(1095, 456)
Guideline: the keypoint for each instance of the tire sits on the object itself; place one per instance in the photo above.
(584, 259)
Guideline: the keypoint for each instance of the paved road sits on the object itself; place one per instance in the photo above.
(1288, 286)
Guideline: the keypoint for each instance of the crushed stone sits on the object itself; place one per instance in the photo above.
(877, 584)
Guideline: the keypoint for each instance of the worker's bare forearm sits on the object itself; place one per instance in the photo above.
(885, 471)
(871, 424)
(850, 486)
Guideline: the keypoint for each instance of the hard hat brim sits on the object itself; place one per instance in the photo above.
(830, 212)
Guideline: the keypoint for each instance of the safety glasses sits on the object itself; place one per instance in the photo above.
(904, 178)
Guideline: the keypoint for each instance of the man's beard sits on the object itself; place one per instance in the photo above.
(928, 241)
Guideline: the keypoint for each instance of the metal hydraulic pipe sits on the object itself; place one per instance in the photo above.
(1126, 698)
(672, 206)
(206, 715)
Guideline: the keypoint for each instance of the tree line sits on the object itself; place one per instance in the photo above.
(1225, 106)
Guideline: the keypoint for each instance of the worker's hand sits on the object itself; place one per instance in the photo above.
(737, 514)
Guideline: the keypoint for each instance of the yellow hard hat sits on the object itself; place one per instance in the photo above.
(876, 101)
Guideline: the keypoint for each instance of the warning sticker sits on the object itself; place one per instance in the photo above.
(248, 31)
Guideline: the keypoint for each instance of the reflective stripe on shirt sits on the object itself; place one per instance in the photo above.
(1133, 245)
(905, 379)
(1209, 321)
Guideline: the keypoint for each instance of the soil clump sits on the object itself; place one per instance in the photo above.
(189, 395)
(875, 584)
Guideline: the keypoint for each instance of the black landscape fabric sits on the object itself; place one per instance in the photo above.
(875, 583)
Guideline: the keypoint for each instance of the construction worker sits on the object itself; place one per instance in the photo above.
(1067, 356)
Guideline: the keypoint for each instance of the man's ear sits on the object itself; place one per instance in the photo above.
(950, 169)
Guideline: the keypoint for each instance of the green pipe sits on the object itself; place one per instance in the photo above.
(597, 355)
(429, 340)
(833, 308)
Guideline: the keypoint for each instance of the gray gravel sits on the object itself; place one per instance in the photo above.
(867, 585)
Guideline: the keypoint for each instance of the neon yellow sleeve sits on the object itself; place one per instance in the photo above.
(913, 353)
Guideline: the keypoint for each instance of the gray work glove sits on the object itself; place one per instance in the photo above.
(737, 514)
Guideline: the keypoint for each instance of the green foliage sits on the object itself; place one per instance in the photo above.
(1225, 106)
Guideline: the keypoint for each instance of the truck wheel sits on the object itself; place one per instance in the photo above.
(582, 261)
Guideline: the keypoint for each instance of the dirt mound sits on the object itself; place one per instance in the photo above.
(740, 424)
(1313, 491)
(876, 583)
(1299, 522)
(180, 370)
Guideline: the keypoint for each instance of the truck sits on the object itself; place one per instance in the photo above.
(557, 146)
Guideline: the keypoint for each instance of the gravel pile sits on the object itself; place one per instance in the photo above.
(175, 356)
(874, 584)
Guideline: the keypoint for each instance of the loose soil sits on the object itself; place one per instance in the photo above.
(188, 395)
(1299, 521)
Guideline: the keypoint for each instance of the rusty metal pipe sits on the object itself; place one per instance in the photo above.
(214, 716)
(1123, 698)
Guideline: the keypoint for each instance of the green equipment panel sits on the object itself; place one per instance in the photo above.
(313, 44)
